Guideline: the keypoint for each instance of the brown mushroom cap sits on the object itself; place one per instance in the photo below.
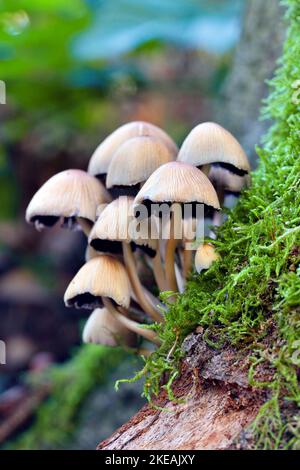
(102, 327)
(117, 224)
(69, 194)
(177, 182)
(205, 256)
(101, 158)
(210, 143)
(102, 276)
(136, 159)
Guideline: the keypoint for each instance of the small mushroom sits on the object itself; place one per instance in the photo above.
(103, 281)
(103, 328)
(133, 162)
(114, 233)
(176, 183)
(206, 255)
(72, 195)
(101, 158)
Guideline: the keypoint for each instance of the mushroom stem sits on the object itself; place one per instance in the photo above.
(170, 258)
(158, 272)
(130, 324)
(137, 287)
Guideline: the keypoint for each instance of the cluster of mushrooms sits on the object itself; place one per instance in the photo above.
(133, 171)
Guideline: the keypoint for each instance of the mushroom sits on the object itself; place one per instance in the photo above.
(115, 232)
(180, 183)
(103, 281)
(72, 195)
(103, 328)
(205, 256)
(133, 162)
(101, 158)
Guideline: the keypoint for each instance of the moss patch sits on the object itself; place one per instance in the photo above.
(251, 298)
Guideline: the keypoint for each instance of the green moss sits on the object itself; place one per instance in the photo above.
(253, 293)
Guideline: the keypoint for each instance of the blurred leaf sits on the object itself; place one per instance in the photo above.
(124, 25)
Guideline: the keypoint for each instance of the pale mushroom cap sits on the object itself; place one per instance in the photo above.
(102, 276)
(71, 193)
(221, 177)
(117, 224)
(210, 143)
(101, 158)
(205, 256)
(103, 328)
(178, 182)
(136, 159)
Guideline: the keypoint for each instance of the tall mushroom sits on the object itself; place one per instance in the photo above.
(72, 195)
(179, 183)
(101, 158)
(114, 232)
(103, 281)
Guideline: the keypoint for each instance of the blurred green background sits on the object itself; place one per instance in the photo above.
(75, 70)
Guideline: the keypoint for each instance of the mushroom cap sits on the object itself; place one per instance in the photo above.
(117, 224)
(103, 328)
(90, 253)
(223, 178)
(136, 159)
(210, 143)
(205, 256)
(101, 158)
(178, 182)
(102, 276)
(68, 194)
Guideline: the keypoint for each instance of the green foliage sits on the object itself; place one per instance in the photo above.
(250, 298)
(71, 383)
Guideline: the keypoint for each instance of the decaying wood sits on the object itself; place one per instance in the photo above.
(218, 405)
